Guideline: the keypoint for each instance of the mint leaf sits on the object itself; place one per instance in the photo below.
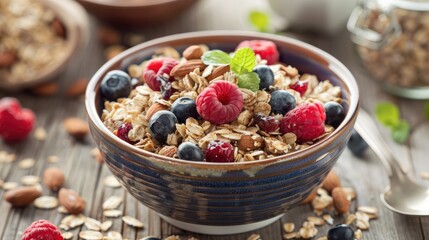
(216, 57)
(387, 114)
(249, 80)
(426, 109)
(243, 61)
(401, 131)
(259, 20)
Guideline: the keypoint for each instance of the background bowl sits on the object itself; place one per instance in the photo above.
(234, 197)
(75, 21)
(136, 13)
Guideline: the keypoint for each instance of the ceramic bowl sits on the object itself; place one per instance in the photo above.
(75, 21)
(226, 198)
(136, 13)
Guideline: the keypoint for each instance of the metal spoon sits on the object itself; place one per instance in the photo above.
(404, 195)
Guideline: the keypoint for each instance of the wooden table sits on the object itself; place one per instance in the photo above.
(85, 175)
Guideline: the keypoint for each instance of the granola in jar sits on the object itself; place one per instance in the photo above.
(208, 105)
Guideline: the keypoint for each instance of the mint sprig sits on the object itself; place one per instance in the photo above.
(388, 115)
(259, 20)
(426, 109)
(242, 64)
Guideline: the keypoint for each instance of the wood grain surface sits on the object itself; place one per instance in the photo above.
(85, 175)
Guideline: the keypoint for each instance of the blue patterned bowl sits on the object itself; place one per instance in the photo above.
(233, 197)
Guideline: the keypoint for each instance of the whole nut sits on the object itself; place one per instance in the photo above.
(156, 107)
(7, 59)
(193, 52)
(182, 69)
(46, 89)
(249, 142)
(71, 201)
(77, 88)
(76, 127)
(341, 203)
(219, 71)
(168, 151)
(22, 196)
(331, 181)
(53, 178)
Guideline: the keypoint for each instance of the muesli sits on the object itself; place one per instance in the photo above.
(209, 105)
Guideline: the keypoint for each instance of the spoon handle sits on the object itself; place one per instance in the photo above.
(367, 129)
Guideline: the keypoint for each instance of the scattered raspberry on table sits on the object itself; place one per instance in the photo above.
(42, 230)
(16, 123)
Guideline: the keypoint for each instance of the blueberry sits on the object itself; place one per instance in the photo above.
(184, 108)
(266, 75)
(116, 84)
(341, 232)
(282, 102)
(190, 151)
(334, 113)
(161, 124)
(356, 144)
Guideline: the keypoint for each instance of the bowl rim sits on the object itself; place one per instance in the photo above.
(334, 66)
(128, 3)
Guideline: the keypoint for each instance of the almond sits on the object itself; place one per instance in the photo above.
(310, 197)
(53, 178)
(182, 69)
(168, 151)
(193, 52)
(341, 203)
(156, 107)
(76, 127)
(22, 196)
(45, 90)
(331, 181)
(71, 201)
(219, 71)
(77, 88)
(7, 59)
(248, 142)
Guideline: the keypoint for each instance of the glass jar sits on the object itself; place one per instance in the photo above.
(392, 40)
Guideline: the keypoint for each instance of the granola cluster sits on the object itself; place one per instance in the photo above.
(249, 141)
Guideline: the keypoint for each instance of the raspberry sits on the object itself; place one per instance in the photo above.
(157, 67)
(267, 124)
(300, 86)
(42, 229)
(15, 123)
(307, 121)
(266, 49)
(123, 131)
(219, 151)
(220, 103)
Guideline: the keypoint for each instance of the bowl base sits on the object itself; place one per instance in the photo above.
(219, 230)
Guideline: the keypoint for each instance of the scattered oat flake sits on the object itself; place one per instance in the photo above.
(358, 234)
(350, 219)
(91, 235)
(92, 224)
(26, 163)
(111, 181)
(289, 227)
(328, 219)
(112, 203)
(291, 235)
(46, 202)
(316, 220)
(424, 175)
(73, 221)
(368, 210)
(64, 227)
(40, 134)
(322, 238)
(254, 236)
(6, 157)
(106, 225)
(30, 180)
(62, 209)
(133, 222)
(112, 235)
(112, 213)
(67, 235)
(9, 185)
(172, 237)
(53, 159)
